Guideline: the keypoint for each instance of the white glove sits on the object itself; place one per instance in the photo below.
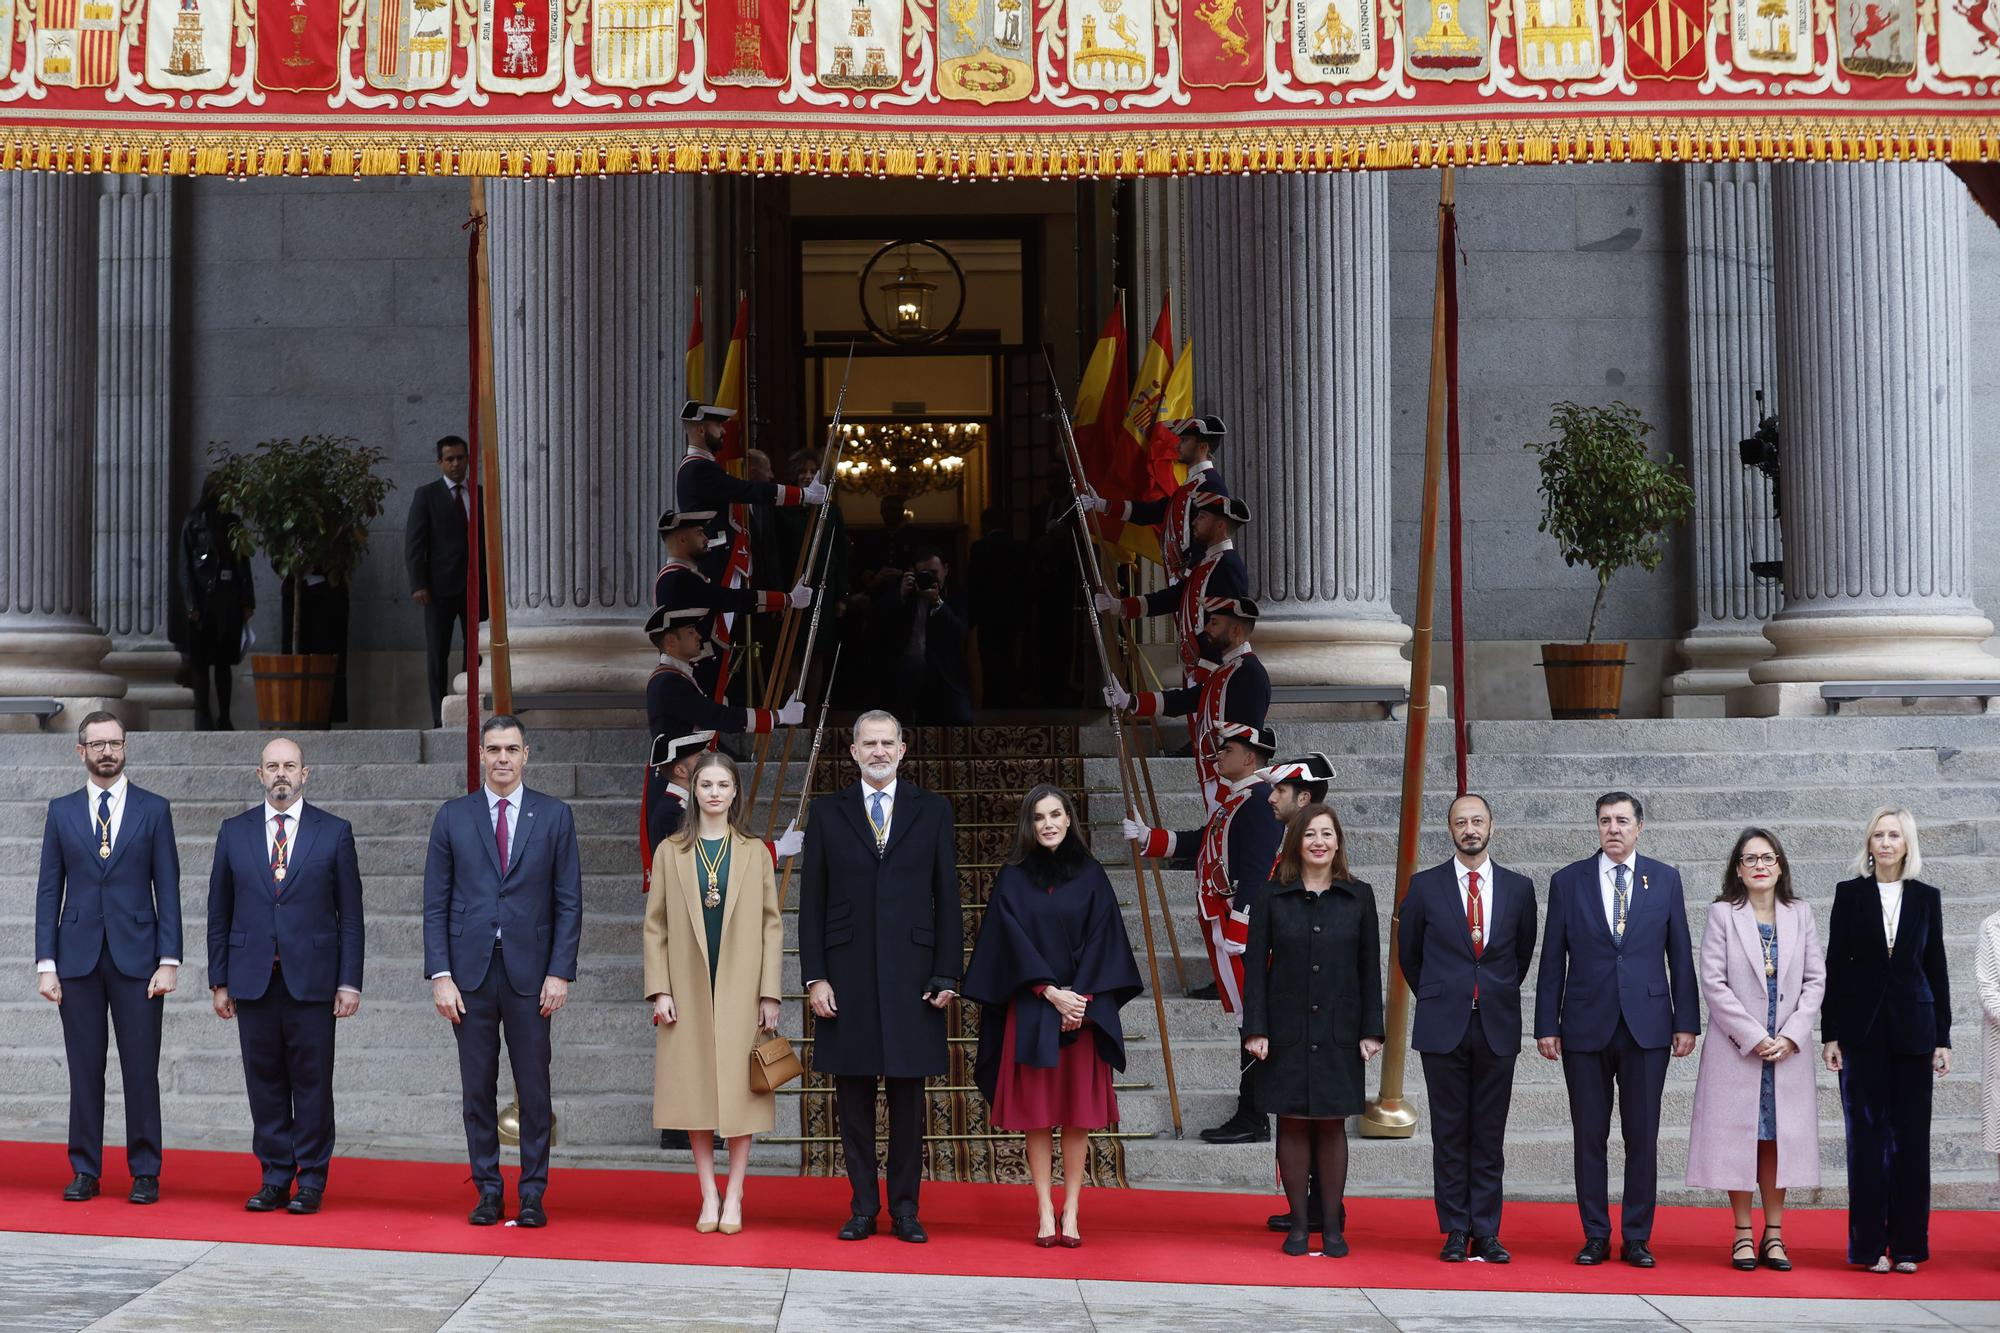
(801, 596)
(1135, 831)
(1092, 503)
(791, 842)
(1107, 605)
(815, 492)
(792, 713)
(1117, 698)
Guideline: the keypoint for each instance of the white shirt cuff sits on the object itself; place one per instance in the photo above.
(439, 975)
(170, 962)
(45, 965)
(351, 990)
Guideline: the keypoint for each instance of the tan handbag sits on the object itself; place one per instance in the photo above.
(773, 1063)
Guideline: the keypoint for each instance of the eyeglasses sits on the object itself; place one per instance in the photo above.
(104, 747)
(1760, 859)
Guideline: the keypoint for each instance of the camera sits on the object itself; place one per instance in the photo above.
(926, 581)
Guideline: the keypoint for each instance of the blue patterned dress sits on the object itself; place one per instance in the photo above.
(1767, 1108)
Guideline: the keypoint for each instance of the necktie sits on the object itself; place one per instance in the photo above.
(103, 825)
(878, 821)
(464, 501)
(1618, 899)
(1475, 920)
(500, 835)
(279, 854)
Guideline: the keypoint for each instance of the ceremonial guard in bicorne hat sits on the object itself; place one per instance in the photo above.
(1219, 573)
(1229, 684)
(681, 584)
(1233, 853)
(701, 484)
(666, 798)
(1173, 514)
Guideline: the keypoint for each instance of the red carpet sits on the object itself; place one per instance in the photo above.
(1133, 1235)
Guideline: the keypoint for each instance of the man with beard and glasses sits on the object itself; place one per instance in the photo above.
(1468, 935)
(108, 942)
(881, 949)
(284, 961)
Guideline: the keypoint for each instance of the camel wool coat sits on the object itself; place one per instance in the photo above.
(701, 1066)
(1722, 1136)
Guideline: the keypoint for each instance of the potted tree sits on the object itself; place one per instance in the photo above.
(1608, 504)
(307, 504)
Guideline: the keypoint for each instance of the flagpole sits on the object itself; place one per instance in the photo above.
(1389, 1115)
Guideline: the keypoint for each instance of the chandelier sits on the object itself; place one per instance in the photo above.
(906, 457)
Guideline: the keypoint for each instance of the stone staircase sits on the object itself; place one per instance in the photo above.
(1813, 780)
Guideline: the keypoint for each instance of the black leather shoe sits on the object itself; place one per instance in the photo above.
(530, 1213)
(145, 1189)
(909, 1229)
(1635, 1253)
(1488, 1250)
(267, 1199)
(487, 1214)
(671, 1139)
(81, 1189)
(1243, 1127)
(1333, 1245)
(857, 1227)
(1208, 992)
(1282, 1222)
(305, 1202)
(1297, 1242)
(1454, 1247)
(1596, 1250)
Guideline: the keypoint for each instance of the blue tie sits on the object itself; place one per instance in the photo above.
(876, 820)
(103, 825)
(1618, 901)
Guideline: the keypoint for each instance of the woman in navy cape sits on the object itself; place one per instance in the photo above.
(1052, 968)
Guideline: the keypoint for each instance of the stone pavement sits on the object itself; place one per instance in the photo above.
(52, 1284)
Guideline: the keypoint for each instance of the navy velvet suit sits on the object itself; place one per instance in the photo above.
(1469, 1052)
(282, 950)
(1616, 1005)
(499, 936)
(107, 922)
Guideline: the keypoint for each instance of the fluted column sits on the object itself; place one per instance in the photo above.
(134, 530)
(1732, 355)
(590, 289)
(1291, 331)
(48, 376)
(1872, 361)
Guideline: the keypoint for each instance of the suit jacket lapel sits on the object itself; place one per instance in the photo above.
(901, 815)
(1902, 917)
(304, 827)
(687, 876)
(1593, 900)
(520, 828)
(1743, 924)
(250, 828)
(1791, 963)
(738, 867)
(82, 808)
(851, 804)
(475, 810)
(128, 828)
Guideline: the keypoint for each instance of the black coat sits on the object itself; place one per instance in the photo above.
(1312, 983)
(882, 931)
(1903, 1000)
(1050, 924)
(217, 587)
(435, 546)
(1435, 945)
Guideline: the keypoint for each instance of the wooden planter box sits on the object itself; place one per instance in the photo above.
(294, 691)
(1585, 680)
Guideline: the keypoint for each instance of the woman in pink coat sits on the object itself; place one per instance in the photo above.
(1756, 1112)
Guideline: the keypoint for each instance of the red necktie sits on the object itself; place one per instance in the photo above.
(1475, 920)
(500, 835)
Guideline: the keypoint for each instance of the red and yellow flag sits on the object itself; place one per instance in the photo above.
(729, 390)
(697, 354)
(1131, 475)
(1099, 414)
(1163, 449)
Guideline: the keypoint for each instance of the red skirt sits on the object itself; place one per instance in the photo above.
(1076, 1094)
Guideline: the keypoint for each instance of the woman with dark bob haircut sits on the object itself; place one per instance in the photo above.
(1051, 970)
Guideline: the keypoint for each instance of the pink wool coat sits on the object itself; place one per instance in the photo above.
(1722, 1137)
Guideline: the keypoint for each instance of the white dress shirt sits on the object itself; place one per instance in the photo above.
(493, 799)
(1485, 869)
(271, 813)
(1892, 909)
(91, 797)
(1608, 883)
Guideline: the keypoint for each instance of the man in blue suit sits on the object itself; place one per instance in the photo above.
(108, 941)
(1617, 990)
(503, 918)
(284, 961)
(1468, 933)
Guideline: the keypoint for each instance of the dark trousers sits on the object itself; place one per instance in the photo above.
(854, 1103)
(93, 1007)
(1886, 1100)
(206, 674)
(322, 629)
(439, 617)
(1470, 1090)
(288, 1070)
(1640, 1075)
(491, 1008)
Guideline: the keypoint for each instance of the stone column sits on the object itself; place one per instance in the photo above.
(1732, 354)
(1872, 292)
(135, 530)
(49, 646)
(1290, 312)
(591, 289)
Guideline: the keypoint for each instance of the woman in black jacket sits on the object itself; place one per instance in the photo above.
(1312, 1011)
(1887, 1028)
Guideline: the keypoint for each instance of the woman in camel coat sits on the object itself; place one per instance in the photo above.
(714, 946)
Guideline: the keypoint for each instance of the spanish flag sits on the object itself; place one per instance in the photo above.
(1131, 475)
(697, 354)
(1163, 448)
(729, 390)
(1100, 401)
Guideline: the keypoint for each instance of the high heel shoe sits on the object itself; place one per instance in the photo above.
(706, 1228)
(1743, 1253)
(1048, 1242)
(732, 1228)
(1773, 1240)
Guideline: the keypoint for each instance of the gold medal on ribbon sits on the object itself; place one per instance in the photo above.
(104, 851)
(278, 873)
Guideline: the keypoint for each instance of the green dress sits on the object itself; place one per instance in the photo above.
(711, 917)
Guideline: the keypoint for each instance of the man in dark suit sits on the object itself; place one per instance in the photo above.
(108, 941)
(921, 629)
(881, 949)
(1468, 935)
(503, 918)
(286, 976)
(1617, 990)
(434, 552)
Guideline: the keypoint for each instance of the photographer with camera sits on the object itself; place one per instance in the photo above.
(921, 629)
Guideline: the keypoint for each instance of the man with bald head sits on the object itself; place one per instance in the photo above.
(284, 962)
